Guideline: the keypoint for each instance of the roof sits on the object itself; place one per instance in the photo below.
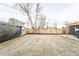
(72, 23)
(13, 19)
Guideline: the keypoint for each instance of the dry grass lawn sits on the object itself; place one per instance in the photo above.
(40, 45)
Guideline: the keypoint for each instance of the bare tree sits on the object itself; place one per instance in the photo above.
(27, 9)
(38, 14)
(42, 22)
(55, 26)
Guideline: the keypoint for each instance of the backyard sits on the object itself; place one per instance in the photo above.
(40, 45)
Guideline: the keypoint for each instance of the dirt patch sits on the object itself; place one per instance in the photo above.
(40, 45)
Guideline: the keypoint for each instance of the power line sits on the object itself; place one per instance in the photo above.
(12, 8)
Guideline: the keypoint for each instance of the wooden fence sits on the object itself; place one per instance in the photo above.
(49, 31)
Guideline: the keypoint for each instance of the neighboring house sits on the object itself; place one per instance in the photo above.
(73, 28)
(15, 22)
(8, 31)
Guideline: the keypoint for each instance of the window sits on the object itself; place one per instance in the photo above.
(76, 29)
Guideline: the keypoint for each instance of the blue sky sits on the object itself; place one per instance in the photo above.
(60, 12)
